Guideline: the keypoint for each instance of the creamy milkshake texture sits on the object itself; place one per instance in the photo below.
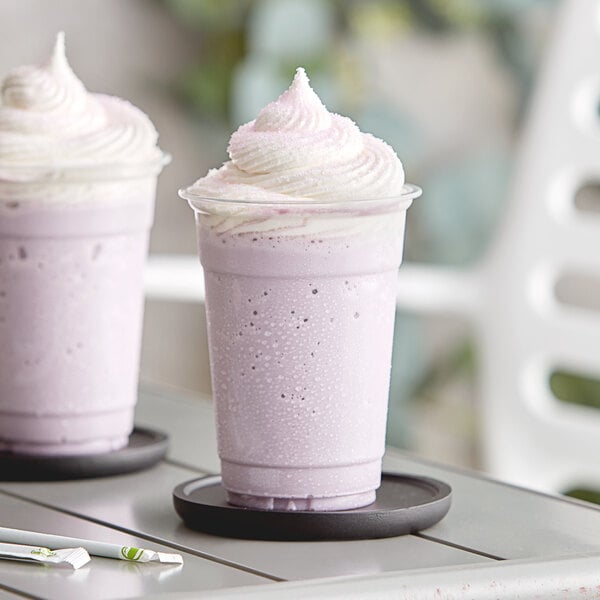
(301, 236)
(77, 183)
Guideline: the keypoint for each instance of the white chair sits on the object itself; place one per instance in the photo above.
(524, 333)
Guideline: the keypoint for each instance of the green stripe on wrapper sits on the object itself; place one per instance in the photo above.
(129, 553)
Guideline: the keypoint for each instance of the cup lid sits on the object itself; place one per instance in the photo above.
(403, 199)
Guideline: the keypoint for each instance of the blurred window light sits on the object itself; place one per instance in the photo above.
(578, 289)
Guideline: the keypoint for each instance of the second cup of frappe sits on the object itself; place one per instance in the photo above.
(77, 187)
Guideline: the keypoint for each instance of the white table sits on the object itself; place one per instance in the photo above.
(497, 541)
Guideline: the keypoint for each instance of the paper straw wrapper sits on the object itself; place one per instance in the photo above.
(20, 536)
(68, 557)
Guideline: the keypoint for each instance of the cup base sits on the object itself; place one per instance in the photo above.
(65, 435)
(303, 504)
(65, 449)
(328, 488)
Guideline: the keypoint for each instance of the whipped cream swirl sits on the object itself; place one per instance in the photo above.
(49, 120)
(297, 150)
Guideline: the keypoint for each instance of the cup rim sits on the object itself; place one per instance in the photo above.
(75, 172)
(407, 194)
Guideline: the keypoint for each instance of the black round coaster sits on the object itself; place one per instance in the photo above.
(404, 504)
(144, 449)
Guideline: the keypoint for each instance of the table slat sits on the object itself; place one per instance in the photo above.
(506, 521)
(6, 595)
(104, 578)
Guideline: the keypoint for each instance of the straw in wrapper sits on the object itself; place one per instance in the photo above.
(20, 536)
(68, 557)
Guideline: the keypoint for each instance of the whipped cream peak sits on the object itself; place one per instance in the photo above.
(58, 62)
(38, 92)
(296, 150)
(297, 108)
(58, 59)
(49, 119)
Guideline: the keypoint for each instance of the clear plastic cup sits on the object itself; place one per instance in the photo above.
(300, 305)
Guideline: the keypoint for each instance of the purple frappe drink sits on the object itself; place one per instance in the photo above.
(300, 237)
(77, 185)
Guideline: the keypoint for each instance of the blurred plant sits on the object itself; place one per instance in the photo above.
(576, 389)
(222, 27)
(220, 24)
(461, 362)
(585, 494)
